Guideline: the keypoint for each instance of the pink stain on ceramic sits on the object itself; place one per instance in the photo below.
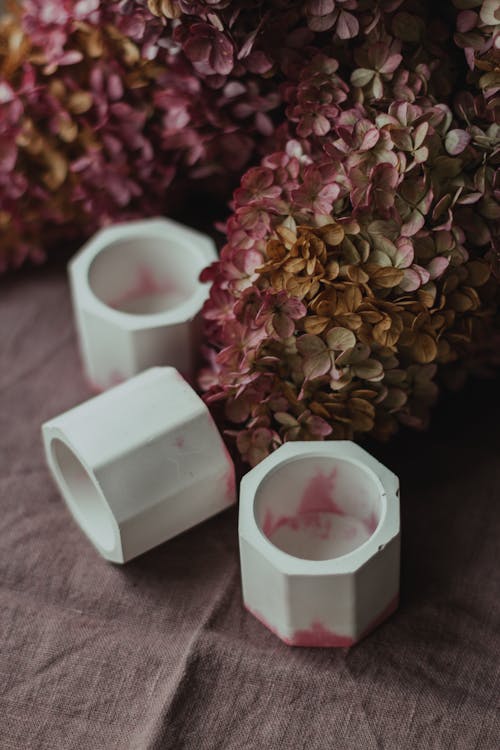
(371, 523)
(316, 636)
(316, 507)
(264, 622)
(319, 636)
(318, 495)
(114, 378)
(350, 532)
(227, 454)
(179, 442)
(319, 524)
(93, 386)
(230, 483)
(269, 525)
(146, 285)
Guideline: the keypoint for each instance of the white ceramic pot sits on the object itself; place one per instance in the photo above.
(137, 296)
(319, 543)
(140, 463)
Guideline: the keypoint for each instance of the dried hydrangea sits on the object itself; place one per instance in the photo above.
(478, 33)
(358, 257)
(100, 112)
(123, 103)
(362, 250)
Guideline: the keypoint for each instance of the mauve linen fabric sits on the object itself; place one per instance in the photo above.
(161, 654)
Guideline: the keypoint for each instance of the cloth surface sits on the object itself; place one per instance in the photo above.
(160, 654)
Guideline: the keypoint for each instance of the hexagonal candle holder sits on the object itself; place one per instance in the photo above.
(319, 537)
(140, 463)
(136, 297)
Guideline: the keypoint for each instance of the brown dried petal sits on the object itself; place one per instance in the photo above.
(386, 277)
(361, 405)
(463, 300)
(351, 299)
(332, 269)
(340, 339)
(298, 287)
(362, 422)
(279, 280)
(479, 272)
(275, 250)
(356, 274)
(424, 348)
(370, 369)
(444, 353)
(349, 320)
(288, 237)
(332, 234)
(315, 324)
(294, 265)
(364, 393)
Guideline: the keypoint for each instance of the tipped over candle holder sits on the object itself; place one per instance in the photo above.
(319, 543)
(139, 463)
(137, 297)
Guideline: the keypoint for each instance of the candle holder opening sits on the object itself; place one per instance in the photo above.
(318, 507)
(145, 275)
(83, 495)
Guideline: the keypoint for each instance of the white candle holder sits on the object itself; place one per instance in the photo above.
(137, 296)
(140, 463)
(319, 543)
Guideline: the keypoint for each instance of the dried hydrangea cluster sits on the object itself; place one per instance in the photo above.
(359, 257)
(100, 111)
(110, 109)
(362, 252)
(478, 32)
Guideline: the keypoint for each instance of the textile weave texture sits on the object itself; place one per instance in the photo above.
(160, 654)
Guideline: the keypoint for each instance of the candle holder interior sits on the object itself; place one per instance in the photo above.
(318, 507)
(83, 495)
(144, 275)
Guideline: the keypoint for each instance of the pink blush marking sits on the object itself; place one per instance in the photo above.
(317, 500)
(146, 285)
(114, 378)
(179, 442)
(371, 523)
(318, 495)
(230, 475)
(93, 386)
(319, 524)
(318, 636)
(263, 621)
(351, 532)
(269, 525)
(230, 482)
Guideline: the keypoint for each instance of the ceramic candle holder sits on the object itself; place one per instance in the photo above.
(136, 296)
(139, 463)
(319, 543)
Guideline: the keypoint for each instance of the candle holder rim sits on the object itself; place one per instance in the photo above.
(348, 562)
(200, 245)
